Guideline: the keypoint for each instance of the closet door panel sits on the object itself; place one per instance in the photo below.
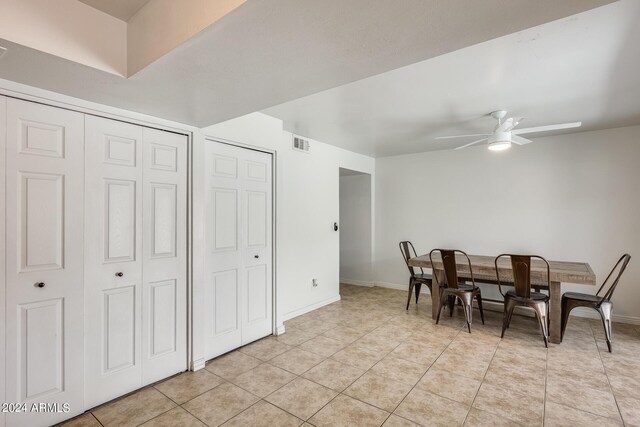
(164, 304)
(44, 242)
(238, 290)
(113, 259)
(257, 319)
(223, 275)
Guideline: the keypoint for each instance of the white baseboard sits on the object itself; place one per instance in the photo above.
(578, 312)
(279, 330)
(311, 307)
(368, 284)
(498, 307)
(196, 365)
(631, 320)
(592, 314)
(389, 285)
(494, 306)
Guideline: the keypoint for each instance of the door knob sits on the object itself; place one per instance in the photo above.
(256, 256)
(39, 285)
(119, 274)
(335, 226)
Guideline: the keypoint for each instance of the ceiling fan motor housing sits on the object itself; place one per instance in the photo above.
(499, 141)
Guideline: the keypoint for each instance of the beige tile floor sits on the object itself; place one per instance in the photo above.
(367, 361)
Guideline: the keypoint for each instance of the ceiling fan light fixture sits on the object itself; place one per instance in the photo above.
(500, 146)
(499, 141)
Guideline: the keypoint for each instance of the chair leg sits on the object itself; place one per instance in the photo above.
(514, 304)
(605, 313)
(541, 309)
(452, 304)
(546, 324)
(467, 304)
(566, 311)
(440, 306)
(504, 321)
(509, 306)
(411, 284)
(417, 288)
(513, 307)
(479, 298)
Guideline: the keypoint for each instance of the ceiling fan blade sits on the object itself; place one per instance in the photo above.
(519, 140)
(547, 128)
(470, 144)
(461, 136)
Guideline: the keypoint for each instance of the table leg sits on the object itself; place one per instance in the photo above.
(435, 292)
(555, 312)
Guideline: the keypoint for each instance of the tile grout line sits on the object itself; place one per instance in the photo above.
(254, 404)
(546, 382)
(367, 370)
(160, 414)
(96, 418)
(425, 373)
(300, 376)
(180, 405)
(568, 405)
(198, 395)
(225, 421)
(121, 398)
(354, 381)
(481, 381)
(606, 374)
(157, 415)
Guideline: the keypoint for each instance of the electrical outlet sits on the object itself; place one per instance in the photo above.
(314, 283)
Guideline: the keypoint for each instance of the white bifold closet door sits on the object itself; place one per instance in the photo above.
(135, 251)
(238, 263)
(44, 281)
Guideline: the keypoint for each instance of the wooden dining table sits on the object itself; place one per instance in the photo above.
(484, 271)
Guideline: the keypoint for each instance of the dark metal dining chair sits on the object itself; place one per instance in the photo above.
(416, 280)
(454, 288)
(522, 295)
(601, 303)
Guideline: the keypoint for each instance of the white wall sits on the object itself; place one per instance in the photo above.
(355, 229)
(572, 197)
(307, 205)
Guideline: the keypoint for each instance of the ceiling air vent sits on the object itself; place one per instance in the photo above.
(300, 144)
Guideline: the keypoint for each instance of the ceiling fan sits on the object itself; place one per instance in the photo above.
(504, 134)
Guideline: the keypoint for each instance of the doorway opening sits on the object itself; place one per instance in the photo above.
(355, 228)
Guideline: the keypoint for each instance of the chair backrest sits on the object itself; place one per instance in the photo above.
(408, 252)
(450, 266)
(621, 265)
(521, 270)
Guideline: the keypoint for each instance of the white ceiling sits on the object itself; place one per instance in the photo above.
(582, 68)
(121, 9)
(268, 52)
